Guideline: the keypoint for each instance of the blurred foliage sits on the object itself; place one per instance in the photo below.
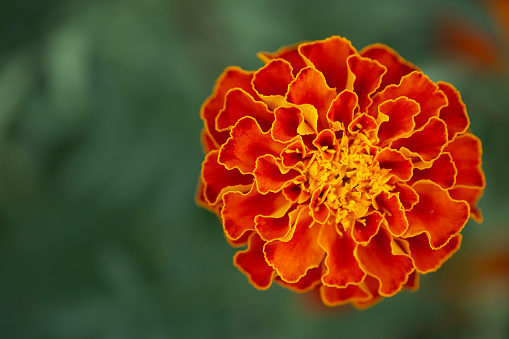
(100, 155)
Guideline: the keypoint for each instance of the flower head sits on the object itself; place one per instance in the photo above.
(350, 172)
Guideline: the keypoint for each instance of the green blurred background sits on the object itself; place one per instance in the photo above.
(100, 155)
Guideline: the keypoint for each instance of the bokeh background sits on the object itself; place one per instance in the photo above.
(100, 155)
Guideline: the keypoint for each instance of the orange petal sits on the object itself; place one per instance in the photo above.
(442, 172)
(286, 123)
(306, 283)
(396, 162)
(363, 122)
(207, 143)
(309, 87)
(294, 257)
(427, 259)
(240, 242)
(371, 285)
(407, 195)
(412, 283)
(270, 228)
(329, 56)
(294, 154)
(377, 259)
(396, 66)
(342, 267)
(418, 87)
(427, 142)
(401, 114)
(394, 213)
(239, 104)
(273, 78)
(455, 113)
(252, 263)
(240, 210)
(333, 296)
(466, 152)
(368, 77)
(326, 144)
(270, 176)
(232, 77)
(362, 232)
(342, 109)
(218, 180)
(288, 53)
(471, 196)
(436, 214)
(247, 144)
(319, 211)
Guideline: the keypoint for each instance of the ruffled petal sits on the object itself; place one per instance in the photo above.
(309, 87)
(442, 172)
(401, 123)
(471, 196)
(294, 154)
(289, 123)
(326, 144)
(396, 162)
(329, 56)
(427, 142)
(371, 285)
(334, 296)
(218, 180)
(396, 66)
(342, 267)
(319, 211)
(247, 144)
(271, 176)
(377, 259)
(252, 263)
(436, 214)
(232, 77)
(407, 195)
(288, 53)
(362, 122)
(466, 152)
(368, 77)
(455, 113)
(240, 210)
(394, 213)
(418, 87)
(271, 228)
(273, 78)
(309, 281)
(427, 259)
(294, 257)
(239, 104)
(341, 110)
(366, 228)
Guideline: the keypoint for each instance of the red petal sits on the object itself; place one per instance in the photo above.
(418, 87)
(252, 263)
(363, 122)
(442, 172)
(218, 180)
(269, 175)
(471, 196)
(428, 142)
(270, 228)
(239, 104)
(390, 269)
(401, 114)
(396, 66)
(294, 257)
(306, 283)
(247, 144)
(294, 154)
(240, 242)
(455, 113)
(329, 56)
(362, 232)
(407, 195)
(287, 123)
(396, 162)
(394, 213)
(368, 77)
(232, 77)
(288, 53)
(326, 144)
(206, 142)
(333, 296)
(466, 152)
(273, 78)
(427, 259)
(319, 211)
(436, 214)
(309, 87)
(240, 210)
(342, 267)
(342, 109)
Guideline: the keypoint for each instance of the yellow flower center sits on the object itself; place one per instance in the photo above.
(348, 182)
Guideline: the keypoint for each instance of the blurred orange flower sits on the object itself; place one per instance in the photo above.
(348, 172)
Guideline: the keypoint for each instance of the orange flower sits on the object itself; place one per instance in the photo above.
(350, 172)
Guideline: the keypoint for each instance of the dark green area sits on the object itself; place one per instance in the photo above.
(100, 155)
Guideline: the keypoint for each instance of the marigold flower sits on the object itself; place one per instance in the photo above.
(348, 172)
